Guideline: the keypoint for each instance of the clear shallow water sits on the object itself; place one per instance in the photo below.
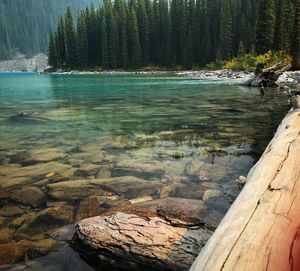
(183, 136)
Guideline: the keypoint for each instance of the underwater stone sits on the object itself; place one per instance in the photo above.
(32, 196)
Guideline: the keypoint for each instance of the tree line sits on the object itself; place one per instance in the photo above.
(25, 24)
(168, 33)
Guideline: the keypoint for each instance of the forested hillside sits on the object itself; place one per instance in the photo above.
(135, 33)
(25, 24)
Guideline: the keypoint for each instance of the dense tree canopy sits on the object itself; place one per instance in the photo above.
(25, 24)
(185, 33)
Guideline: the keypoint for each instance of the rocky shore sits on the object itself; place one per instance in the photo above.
(212, 74)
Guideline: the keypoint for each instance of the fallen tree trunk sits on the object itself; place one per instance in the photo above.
(261, 229)
(267, 77)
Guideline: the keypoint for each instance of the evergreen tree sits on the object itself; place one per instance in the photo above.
(165, 34)
(241, 50)
(121, 19)
(134, 47)
(52, 60)
(265, 26)
(143, 26)
(112, 34)
(104, 46)
(296, 38)
(61, 42)
(70, 39)
(225, 44)
(82, 47)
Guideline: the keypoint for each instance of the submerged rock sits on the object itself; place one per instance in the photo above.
(136, 168)
(127, 186)
(11, 210)
(189, 191)
(87, 169)
(78, 189)
(131, 187)
(45, 220)
(28, 118)
(15, 175)
(91, 206)
(32, 196)
(132, 242)
(4, 194)
(43, 155)
(6, 235)
(15, 252)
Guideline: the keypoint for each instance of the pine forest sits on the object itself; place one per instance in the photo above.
(175, 33)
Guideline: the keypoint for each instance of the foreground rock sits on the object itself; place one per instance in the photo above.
(133, 242)
(164, 234)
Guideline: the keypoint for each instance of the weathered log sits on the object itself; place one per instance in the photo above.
(163, 234)
(284, 69)
(273, 68)
(267, 77)
(261, 229)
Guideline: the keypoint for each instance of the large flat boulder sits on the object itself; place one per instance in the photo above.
(132, 242)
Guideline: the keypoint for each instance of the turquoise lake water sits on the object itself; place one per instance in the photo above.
(190, 135)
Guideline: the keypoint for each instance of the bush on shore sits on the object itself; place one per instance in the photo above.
(248, 62)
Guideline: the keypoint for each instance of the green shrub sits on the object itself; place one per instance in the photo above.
(248, 62)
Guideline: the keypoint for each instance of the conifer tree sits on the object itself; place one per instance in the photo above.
(121, 20)
(165, 34)
(104, 46)
(143, 26)
(82, 48)
(61, 42)
(70, 39)
(112, 34)
(225, 44)
(265, 26)
(134, 47)
(241, 50)
(52, 60)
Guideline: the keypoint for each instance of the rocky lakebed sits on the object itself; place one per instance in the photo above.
(122, 178)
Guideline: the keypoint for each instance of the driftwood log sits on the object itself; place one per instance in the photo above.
(164, 234)
(267, 77)
(262, 228)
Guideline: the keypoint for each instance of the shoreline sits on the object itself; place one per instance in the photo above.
(193, 74)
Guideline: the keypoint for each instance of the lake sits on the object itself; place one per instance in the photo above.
(155, 136)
